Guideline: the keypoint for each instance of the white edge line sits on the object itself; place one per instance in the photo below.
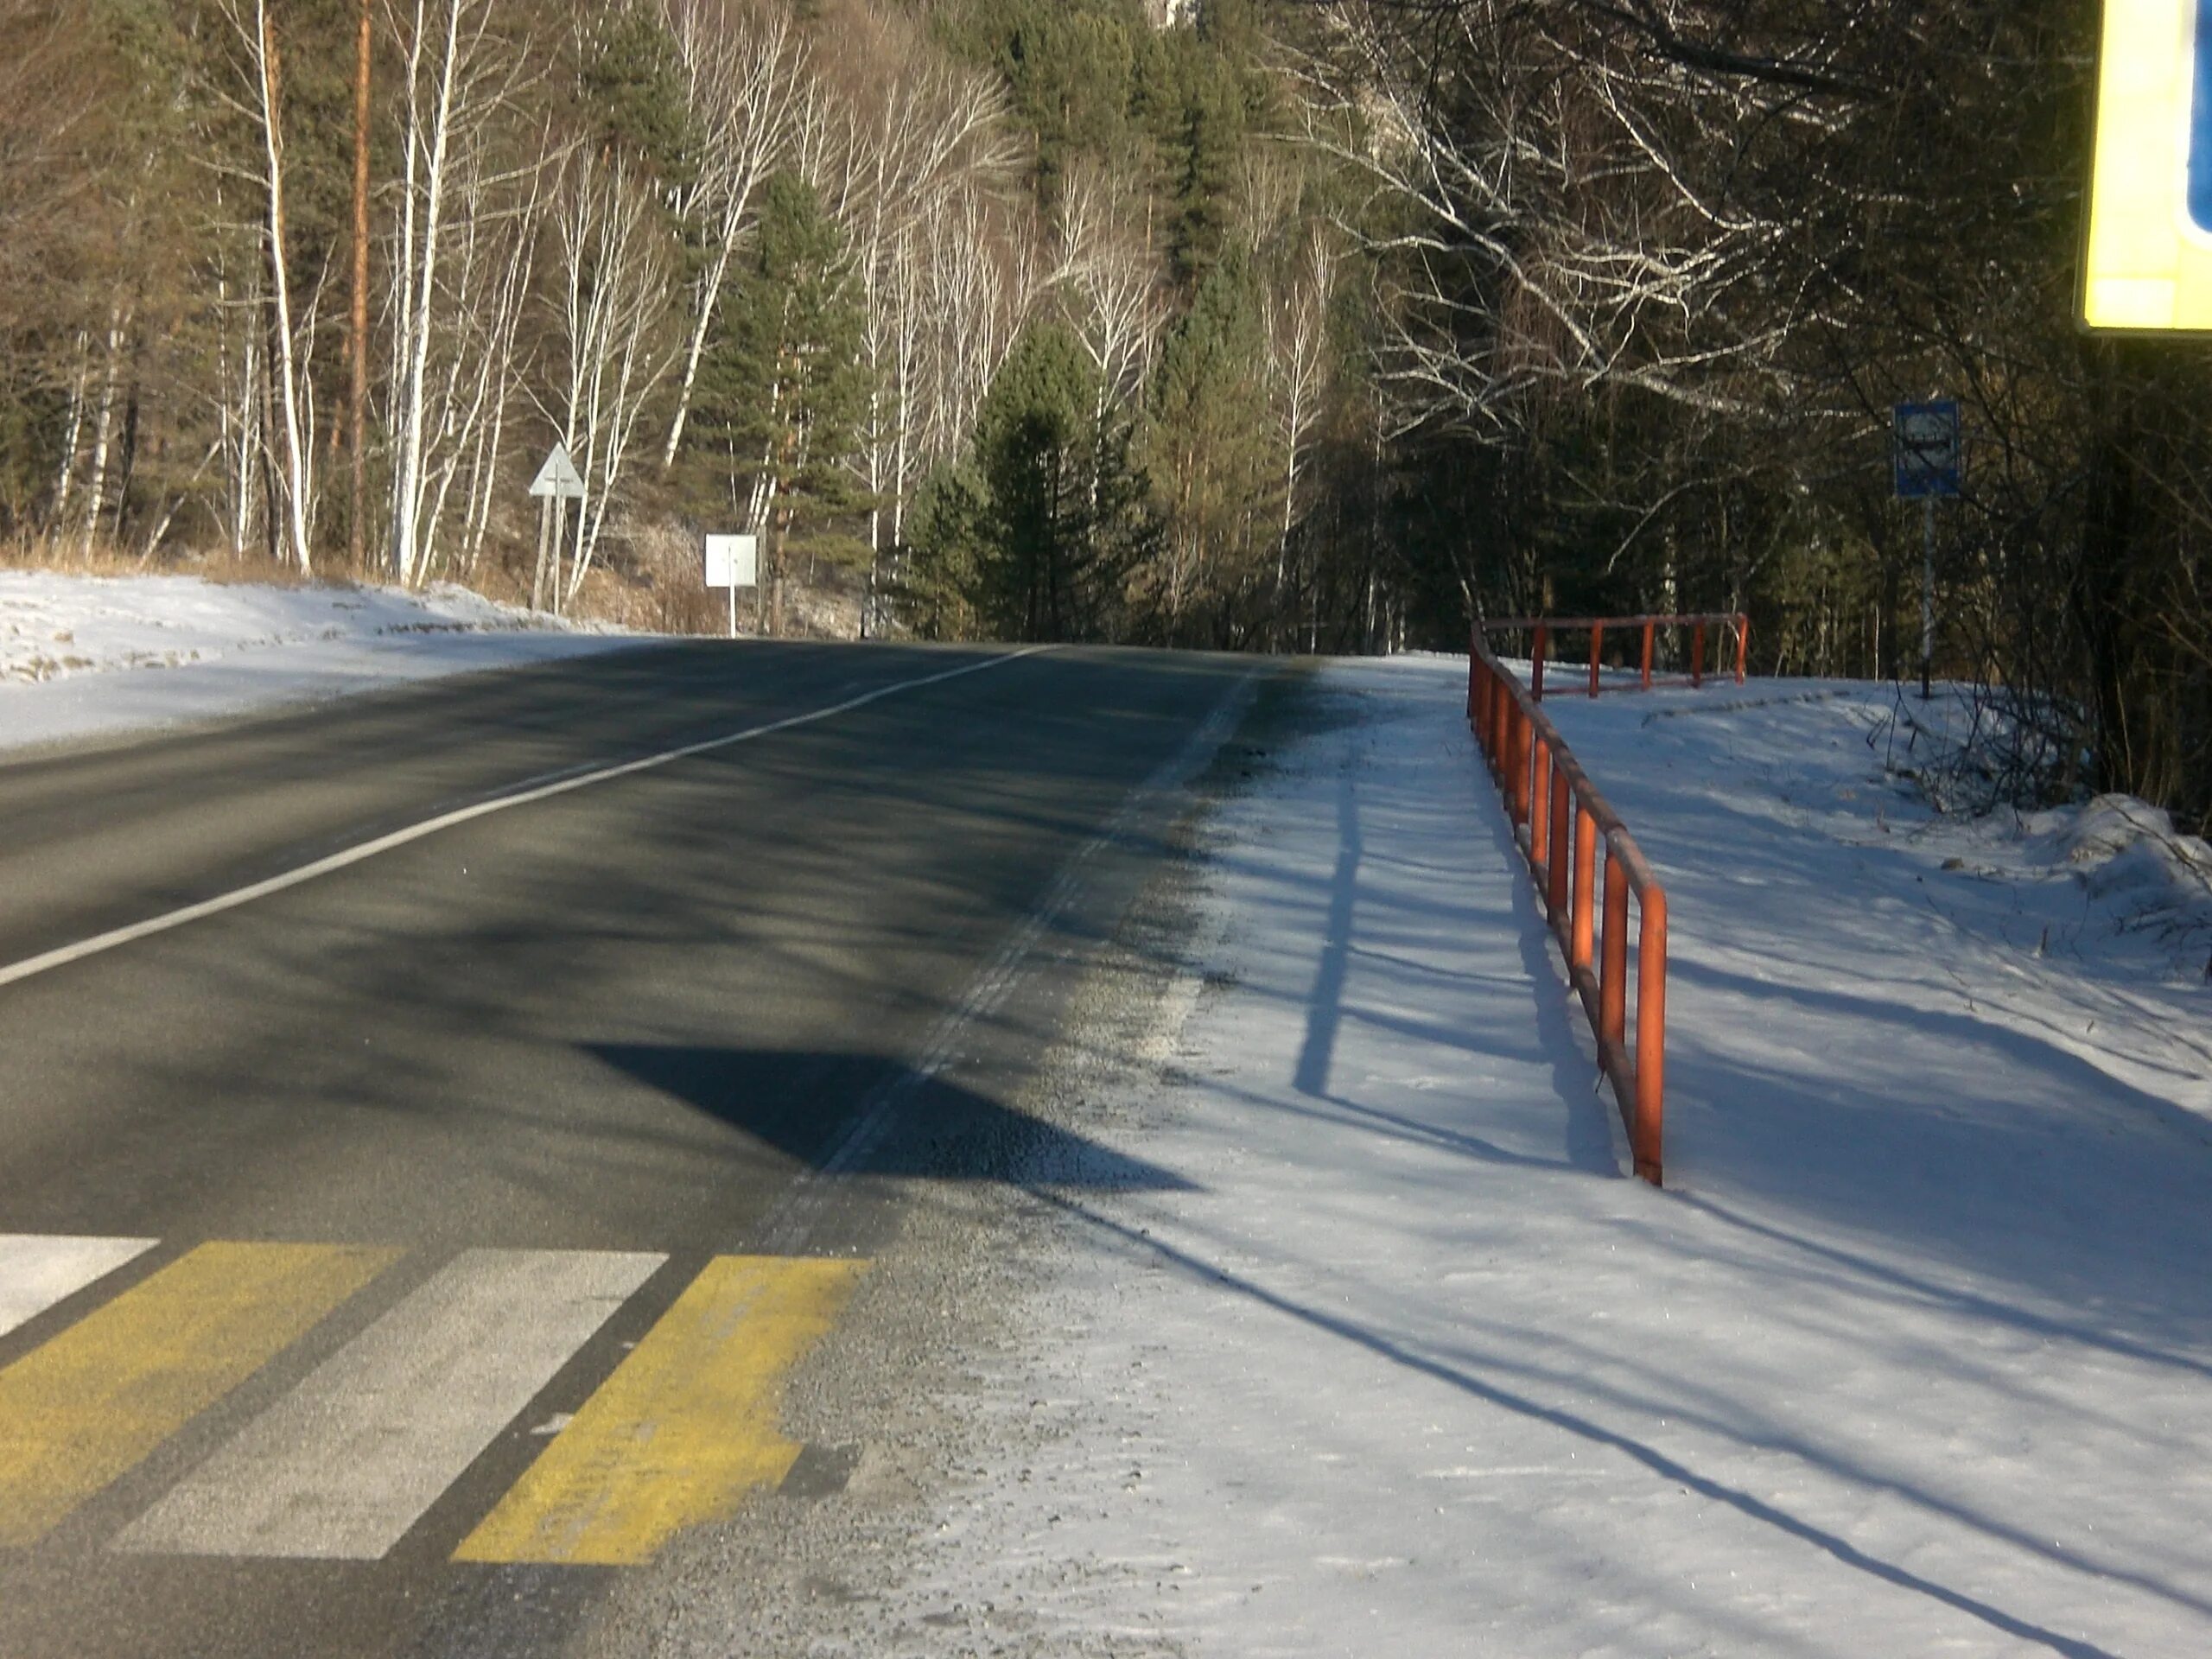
(30, 967)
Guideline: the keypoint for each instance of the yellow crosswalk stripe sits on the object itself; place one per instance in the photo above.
(685, 1428)
(87, 1407)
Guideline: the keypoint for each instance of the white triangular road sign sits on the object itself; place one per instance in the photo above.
(558, 477)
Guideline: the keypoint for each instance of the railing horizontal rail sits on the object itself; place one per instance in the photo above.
(1542, 628)
(1492, 623)
(1559, 823)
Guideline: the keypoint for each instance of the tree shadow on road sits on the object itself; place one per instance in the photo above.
(866, 1115)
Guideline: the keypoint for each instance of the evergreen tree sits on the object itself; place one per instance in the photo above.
(632, 91)
(1034, 439)
(1035, 538)
(1209, 459)
(948, 535)
(782, 393)
(1073, 68)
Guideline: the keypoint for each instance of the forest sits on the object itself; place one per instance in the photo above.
(1268, 325)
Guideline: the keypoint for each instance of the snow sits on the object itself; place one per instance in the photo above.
(78, 654)
(1913, 1356)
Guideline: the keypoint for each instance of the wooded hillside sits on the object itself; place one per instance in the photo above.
(1259, 324)
(1001, 317)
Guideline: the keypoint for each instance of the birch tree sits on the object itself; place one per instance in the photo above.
(1297, 350)
(459, 74)
(745, 79)
(926, 136)
(979, 295)
(614, 262)
(289, 391)
(1109, 276)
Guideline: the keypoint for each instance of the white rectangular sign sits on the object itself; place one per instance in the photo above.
(732, 561)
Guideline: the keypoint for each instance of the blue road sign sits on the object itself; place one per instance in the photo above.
(1928, 457)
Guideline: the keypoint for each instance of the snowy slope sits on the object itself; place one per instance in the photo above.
(78, 653)
(1915, 1357)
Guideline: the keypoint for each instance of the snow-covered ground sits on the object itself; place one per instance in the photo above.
(1913, 1356)
(79, 655)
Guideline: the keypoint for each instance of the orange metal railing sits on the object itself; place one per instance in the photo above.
(1560, 820)
(1542, 629)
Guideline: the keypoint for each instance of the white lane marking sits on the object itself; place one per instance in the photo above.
(45, 963)
(789, 1225)
(36, 1272)
(341, 1467)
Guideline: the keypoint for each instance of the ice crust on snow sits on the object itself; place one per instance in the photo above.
(1913, 1356)
(79, 655)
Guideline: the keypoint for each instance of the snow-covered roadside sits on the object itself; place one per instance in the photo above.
(1915, 1357)
(78, 653)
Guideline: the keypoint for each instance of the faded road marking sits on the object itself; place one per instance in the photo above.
(685, 1428)
(347, 1462)
(89, 1406)
(37, 1272)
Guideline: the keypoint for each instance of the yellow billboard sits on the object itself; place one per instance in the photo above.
(2148, 263)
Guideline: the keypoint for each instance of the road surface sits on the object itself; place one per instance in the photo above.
(438, 1127)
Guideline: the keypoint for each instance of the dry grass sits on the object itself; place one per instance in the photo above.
(653, 582)
(72, 556)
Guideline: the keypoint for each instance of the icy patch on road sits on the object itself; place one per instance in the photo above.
(78, 654)
(1915, 1356)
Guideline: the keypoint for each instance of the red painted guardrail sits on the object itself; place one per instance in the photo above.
(1542, 628)
(1560, 820)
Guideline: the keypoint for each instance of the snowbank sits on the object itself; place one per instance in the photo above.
(1913, 1356)
(77, 653)
(2128, 854)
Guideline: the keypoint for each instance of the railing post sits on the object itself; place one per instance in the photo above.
(1540, 807)
(1536, 662)
(1612, 977)
(1697, 654)
(1646, 655)
(1518, 760)
(1743, 646)
(1556, 845)
(1650, 1035)
(1586, 877)
(1597, 653)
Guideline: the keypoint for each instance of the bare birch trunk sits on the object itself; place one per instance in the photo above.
(412, 393)
(357, 333)
(297, 463)
(104, 430)
(65, 480)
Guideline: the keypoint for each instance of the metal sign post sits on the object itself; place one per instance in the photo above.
(557, 482)
(733, 561)
(1927, 465)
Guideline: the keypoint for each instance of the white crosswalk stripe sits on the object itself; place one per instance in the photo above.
(346, 1464)
(36, 1272)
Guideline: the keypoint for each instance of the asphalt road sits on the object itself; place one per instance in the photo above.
(391, 1263)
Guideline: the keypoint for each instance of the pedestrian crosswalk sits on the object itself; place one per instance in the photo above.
(344, 1462)
(653, 1451)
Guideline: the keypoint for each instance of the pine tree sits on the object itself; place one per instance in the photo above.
(782, 393)
(1034, 441)
(949, 539)
(1209, 457)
